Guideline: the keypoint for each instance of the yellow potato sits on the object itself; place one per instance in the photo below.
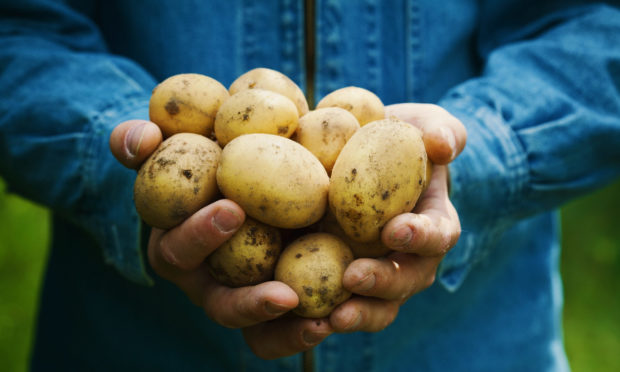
(186, 103)
(249, 257)
(362, 103)
(274, 179)
(313, 266)
(255, 111)
(275, 81)
(373, 249)
(379, 174)
(325, 131)
(177, 180)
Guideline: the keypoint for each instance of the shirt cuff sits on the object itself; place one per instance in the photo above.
(113, 218)
(485, 179)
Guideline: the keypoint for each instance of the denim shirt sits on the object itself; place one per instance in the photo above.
(536, 83)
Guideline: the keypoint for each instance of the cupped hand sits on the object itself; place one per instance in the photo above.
(178, 255)
(419, 239)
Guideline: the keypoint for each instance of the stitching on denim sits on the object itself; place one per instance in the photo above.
(414, 50)
(249, 42)
(329, 49)
(371, 18)
(290, 28)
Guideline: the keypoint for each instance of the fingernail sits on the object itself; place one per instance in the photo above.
(401, 237)
(313, 338)
(134, 137)
(225, 220)
(355, 323)
(448, 137)
(275, 309)
(367, 283)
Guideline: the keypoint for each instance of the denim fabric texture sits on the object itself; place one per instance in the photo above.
(536, 83)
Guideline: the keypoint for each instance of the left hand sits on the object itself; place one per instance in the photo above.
(420, 240)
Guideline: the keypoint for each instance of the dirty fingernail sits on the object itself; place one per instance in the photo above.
(313, 338)
(226, 220)
(354, 323)
(402, 236)
(367, 283)
(275, 309)
(134, 139)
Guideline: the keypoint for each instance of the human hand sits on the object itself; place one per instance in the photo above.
(178, 255)
(419, 239)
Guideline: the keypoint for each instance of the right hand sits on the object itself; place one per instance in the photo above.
(178, 255)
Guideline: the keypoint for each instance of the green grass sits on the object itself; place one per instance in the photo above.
(591, 272)
(24, 232)
(590, 265)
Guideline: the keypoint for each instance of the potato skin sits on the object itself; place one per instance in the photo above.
(274, 179)
(362, 103)
(255, 111)
(186, 103)
(249, 257)
(275, 81)
(177, 180)
(373, 249)
(325, 131)
(379, 174)
(313, 266)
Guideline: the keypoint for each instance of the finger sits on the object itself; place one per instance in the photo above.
(433, 227)
(133, 141)
(235, 307)
(247, 306)
(395, 277)
(365, 314)
(444, 135)
(286, 336)
(186, 246)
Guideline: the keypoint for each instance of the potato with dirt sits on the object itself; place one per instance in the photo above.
(249, 257)
(186, 103)
(274, 179)
(275, 81)
(177, 180)
(379, 174)
(313, 266)
(362, 103)
(325, 131)
(255, 111)
(372, 249)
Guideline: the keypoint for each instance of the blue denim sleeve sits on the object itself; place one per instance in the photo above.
(543, 124)
(62, 94)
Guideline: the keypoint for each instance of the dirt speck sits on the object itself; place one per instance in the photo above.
(172, 107)
(308, 291)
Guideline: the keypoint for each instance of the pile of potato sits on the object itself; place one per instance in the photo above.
(317, 185)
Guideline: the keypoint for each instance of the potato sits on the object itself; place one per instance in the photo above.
(186, 103)
(373, 249)
(275, 81)
(325, 131)
(177, 180)
(313, 266)
(362, 103)
(249, 257)
(379, 174)
(274, 179)
(255, 111)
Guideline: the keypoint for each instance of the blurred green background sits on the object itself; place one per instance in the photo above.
(590, 266)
